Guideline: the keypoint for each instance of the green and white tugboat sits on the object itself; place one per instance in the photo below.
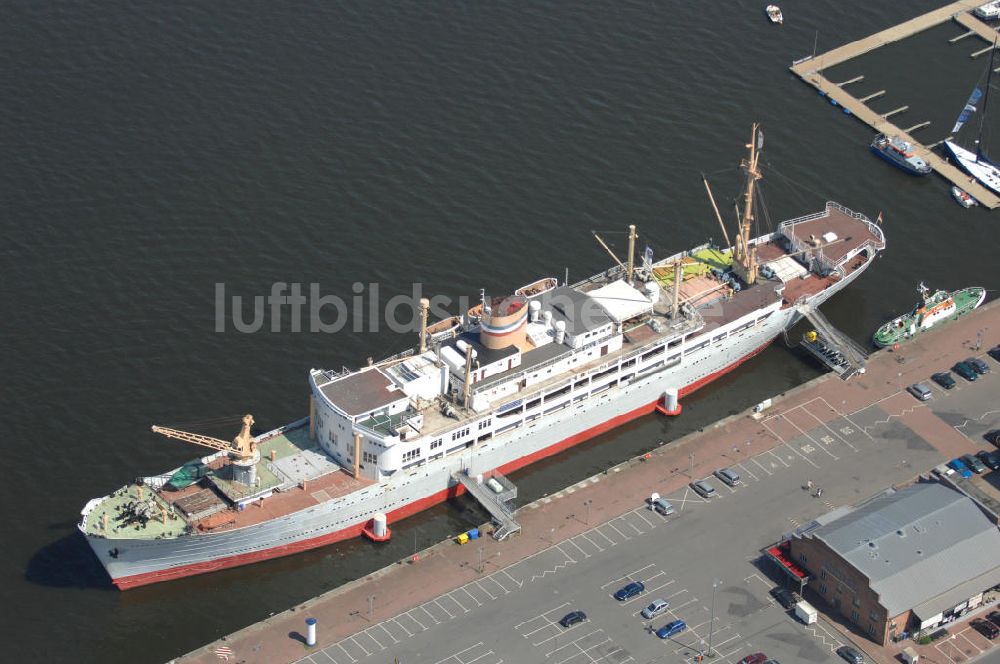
(933, 309)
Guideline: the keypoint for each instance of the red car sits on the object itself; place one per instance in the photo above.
(756, 658)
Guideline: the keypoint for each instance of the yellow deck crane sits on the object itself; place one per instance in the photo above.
(242, 450)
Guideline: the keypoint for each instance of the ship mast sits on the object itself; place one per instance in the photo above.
(745, 256)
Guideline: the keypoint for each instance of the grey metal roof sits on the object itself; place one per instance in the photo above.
(915, 544)
(579, 311)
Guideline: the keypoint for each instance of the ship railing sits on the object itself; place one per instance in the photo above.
(282, 429)
(611, 274)
(398, 356)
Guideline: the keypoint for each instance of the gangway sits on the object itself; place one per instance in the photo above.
(498, 503)
(836, 350)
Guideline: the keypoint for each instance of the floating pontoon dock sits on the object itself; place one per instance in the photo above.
(810, 70)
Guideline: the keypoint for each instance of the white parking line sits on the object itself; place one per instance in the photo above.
(408, 632)
(628, 577)
(382, 625)
(457, 603)
(584, 536)
(585, 554)
(474, 598)
(460, 652)
(516, 582)
(349, 655)
(440, 606)
(491, 596)
(638, 513)
(747, 471)
(601, 533)
(617, 531)
(423, 607)
(354, 640)
(407, 614)
(809, 436)
(568, 557)
(769, 472)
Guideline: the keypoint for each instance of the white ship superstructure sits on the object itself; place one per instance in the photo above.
(514, 380)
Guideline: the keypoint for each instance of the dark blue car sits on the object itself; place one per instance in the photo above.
(629, 591)
(671, 628)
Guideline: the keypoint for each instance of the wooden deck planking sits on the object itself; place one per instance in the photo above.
(809, 71)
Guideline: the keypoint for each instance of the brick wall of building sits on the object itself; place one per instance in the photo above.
(845, 590)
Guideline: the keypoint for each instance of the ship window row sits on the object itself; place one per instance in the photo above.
(484, 424)
(461, 433)
(435, 444)
(653, 353)
(411, 455)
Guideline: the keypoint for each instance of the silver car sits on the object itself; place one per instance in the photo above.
(655, 608)
(663, 506)
(703, 488)
(728, 476)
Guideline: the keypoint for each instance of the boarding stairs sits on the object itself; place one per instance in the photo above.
(499, 505)
(833, 348)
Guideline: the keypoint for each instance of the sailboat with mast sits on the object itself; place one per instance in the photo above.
(976, 164)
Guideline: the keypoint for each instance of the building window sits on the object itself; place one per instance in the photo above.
(856, 602)
(873, 616)
(822, 588)
(436, 444)
(411, 455)
(855, 616)
(871, 628)
(840, 588)
(484, 424)
(462, 433)
(368, 457)
(802, 557)
(822, 574)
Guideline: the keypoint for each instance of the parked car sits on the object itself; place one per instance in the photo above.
(986, 628)
(965, 371)
(974, 464)
(994, 353)
(703, 488)
(944, 379)
(756, 658)
(572, 618)
(994, 617)
(850, 654)
(993, 436)
(727, 476)
(990, 459)
(629, 591)
(920, 391)
(784, 597)
(663, 506)
(959, 467)
(671, 628)
(772, 661)
(655, 608)
(978, 365)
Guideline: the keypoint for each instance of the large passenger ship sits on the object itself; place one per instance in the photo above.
(515, 379)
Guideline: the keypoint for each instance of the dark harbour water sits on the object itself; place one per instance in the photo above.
(152, 150)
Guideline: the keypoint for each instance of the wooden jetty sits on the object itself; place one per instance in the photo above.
(810, 70)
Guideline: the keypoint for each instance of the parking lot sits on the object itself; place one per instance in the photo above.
(703, 559)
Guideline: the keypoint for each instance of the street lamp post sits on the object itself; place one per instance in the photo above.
(586, 504)
(371, 606)
(711, 628)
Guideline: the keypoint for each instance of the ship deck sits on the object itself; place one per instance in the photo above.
(298, 476)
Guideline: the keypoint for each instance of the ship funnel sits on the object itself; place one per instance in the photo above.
(547, 319)
(560, 331)
(503, 322)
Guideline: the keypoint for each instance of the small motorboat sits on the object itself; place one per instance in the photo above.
(774, 13)
(963, 197)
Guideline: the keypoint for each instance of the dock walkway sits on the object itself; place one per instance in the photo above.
(810, 70)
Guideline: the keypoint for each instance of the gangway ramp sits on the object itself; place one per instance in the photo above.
(498, 503)
(836, 350)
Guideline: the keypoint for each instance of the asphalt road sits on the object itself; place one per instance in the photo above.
(511, 614)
